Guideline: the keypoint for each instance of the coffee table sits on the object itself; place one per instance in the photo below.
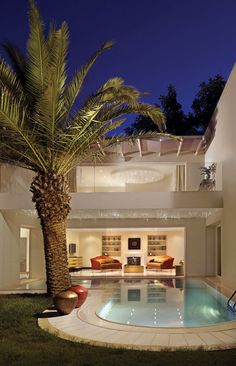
(132, 268)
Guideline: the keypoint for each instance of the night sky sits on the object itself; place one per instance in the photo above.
(158, 42)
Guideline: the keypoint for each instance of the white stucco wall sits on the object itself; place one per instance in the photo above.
(193, 176)
(176, 245)
(14, 179)
(9, 254)
(196, 259)
(11, 222)
(90, 245)
(37, 259)
(223, 149)
(211, 250)
(24, 250)
(72, 236)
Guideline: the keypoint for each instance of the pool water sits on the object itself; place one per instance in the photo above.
(164, 303)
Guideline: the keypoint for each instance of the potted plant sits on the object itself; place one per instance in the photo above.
(208, 180)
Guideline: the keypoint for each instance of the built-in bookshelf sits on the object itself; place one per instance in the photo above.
(156, 245)
(111, 245)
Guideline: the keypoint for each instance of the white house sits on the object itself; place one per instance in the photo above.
(150, 190)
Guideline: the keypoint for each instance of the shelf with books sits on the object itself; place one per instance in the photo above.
(156, 245)
(111, 245)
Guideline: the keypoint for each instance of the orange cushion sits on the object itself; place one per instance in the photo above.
(105, 260)
(100, 260)
(161, 258)
(109, 260)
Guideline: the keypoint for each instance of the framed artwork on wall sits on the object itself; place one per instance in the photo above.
(72, 248)
(134, 243)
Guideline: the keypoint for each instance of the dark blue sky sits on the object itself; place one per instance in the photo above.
(158, 42)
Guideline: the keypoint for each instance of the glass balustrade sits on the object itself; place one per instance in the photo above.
(126, 177)
(148, 177)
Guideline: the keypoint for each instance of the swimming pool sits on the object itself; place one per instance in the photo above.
(164, 303)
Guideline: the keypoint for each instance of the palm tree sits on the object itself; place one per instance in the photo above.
(40, 129)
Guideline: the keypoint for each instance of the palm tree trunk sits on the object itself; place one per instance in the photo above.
(52, 202)
(58, 277)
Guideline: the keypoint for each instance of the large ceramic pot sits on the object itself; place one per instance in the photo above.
(65, 301)
(82, 293)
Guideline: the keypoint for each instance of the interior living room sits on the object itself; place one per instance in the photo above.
(136, 248)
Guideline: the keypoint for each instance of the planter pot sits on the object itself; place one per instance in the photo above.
(65, 301)
(82, 293)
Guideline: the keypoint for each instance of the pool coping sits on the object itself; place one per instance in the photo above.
(84, 326)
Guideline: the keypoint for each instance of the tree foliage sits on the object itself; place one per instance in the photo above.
(175, 118)
(205, 102)
(177, 122)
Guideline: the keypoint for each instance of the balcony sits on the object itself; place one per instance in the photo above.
(126, 177)
(147, 177)
(128, 186)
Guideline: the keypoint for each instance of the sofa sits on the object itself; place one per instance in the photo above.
(104, 262)
(161, 262)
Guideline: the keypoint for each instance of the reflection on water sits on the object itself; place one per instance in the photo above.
(163, 303)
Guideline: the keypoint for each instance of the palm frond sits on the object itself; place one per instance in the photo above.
(15, 154)
(91, 120)
(13, 117)
(50, 106)
(37, 67)
(58, 47)
(113, 98)
(18, 61)
(116, 85)
(112, 94)
(83, 146)
(76, 83)
(112, 125)
(154, 113)
(51, 36)
(9, 81)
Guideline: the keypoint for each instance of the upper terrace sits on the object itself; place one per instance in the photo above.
(157, 174)
(154, 165)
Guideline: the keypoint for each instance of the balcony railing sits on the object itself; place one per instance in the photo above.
(147, 177)
(125, 177)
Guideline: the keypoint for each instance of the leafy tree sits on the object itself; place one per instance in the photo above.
(41, 131)
(172, 109)
(141, 123)
(205, 103)
(177, 122)
(175, 117)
